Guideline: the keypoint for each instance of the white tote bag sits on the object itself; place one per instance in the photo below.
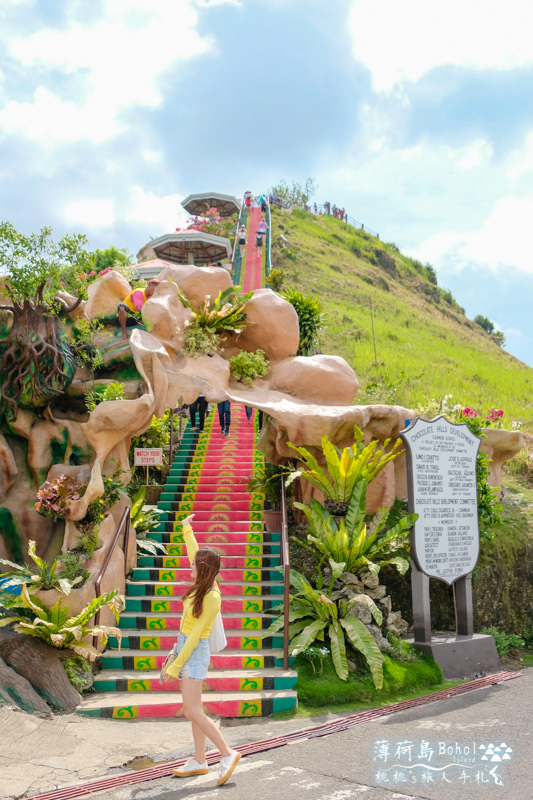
(217, 636)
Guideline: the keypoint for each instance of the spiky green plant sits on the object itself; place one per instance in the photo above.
(224, 314)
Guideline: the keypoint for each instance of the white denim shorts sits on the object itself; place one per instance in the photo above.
(197, 664)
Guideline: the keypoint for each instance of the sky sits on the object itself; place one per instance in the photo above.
(415, 116)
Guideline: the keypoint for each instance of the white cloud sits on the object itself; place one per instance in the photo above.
(521, 160)
(118, 62)
(402, 41)
(473, 155)
(141, 207)
(51, 121)
(503, 242)
(95, 214)
(212, 3)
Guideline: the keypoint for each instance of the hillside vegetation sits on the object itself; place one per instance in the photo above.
(407, 339)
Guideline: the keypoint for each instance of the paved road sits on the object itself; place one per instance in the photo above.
(467, 747)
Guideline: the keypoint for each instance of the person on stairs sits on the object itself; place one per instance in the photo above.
(201, 604)
(200, 405)
(224, 416)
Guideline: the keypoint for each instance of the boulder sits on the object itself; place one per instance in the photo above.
(197, 283)
(500, 446)
(165, 316)
(319, 379)
(271, 326)
(104, 295)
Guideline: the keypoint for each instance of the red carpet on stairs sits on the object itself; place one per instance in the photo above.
(252, 264)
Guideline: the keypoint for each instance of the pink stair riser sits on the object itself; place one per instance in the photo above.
(224, 548)
(158, 623)
(165, 641)
(163, 590)
(221, 708)
(247, 575)
(230, 605)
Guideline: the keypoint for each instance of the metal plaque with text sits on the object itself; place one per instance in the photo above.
(441, 459)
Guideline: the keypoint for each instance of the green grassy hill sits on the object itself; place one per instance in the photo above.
(407, 339)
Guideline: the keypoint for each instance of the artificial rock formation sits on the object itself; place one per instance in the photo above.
(303, 398)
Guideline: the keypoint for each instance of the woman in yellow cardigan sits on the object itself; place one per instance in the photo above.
(201, 604)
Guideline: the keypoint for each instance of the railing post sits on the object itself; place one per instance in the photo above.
(124, 524)
(285, 558)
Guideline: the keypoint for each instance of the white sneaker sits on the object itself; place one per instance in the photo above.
(227, 765)
(191, 767)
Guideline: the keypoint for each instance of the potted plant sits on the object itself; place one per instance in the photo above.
(267, 481)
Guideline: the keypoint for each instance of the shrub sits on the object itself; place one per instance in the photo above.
(276, 279)
(112, 391)
(504, 641)
(200, 340)
(310, 320)
(246, 366)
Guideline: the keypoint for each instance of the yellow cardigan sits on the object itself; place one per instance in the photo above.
(195, 628)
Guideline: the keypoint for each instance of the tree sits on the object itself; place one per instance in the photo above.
(296, 194)
(109, 258)
(36, 360)
(490, 328)
(484, 323)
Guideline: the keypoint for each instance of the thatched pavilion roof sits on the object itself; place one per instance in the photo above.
(198, 204)
(192, 247)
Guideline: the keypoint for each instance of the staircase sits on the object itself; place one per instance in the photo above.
(208, 477)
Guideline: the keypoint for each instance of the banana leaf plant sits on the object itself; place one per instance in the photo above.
(53, 624)
(344, 469)
(315, 617)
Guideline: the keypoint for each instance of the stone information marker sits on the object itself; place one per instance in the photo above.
(441, 469)
(444, 495)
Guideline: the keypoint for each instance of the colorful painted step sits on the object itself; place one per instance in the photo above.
(208, 477)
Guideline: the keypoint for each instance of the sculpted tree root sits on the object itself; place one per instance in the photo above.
(36, 363)
(17, 691)
(33, 672)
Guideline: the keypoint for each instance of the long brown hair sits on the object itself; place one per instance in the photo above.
(207, 563)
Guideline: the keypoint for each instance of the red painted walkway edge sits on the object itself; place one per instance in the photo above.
(164, 770)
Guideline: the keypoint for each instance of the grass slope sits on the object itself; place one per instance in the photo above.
(406, 338)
